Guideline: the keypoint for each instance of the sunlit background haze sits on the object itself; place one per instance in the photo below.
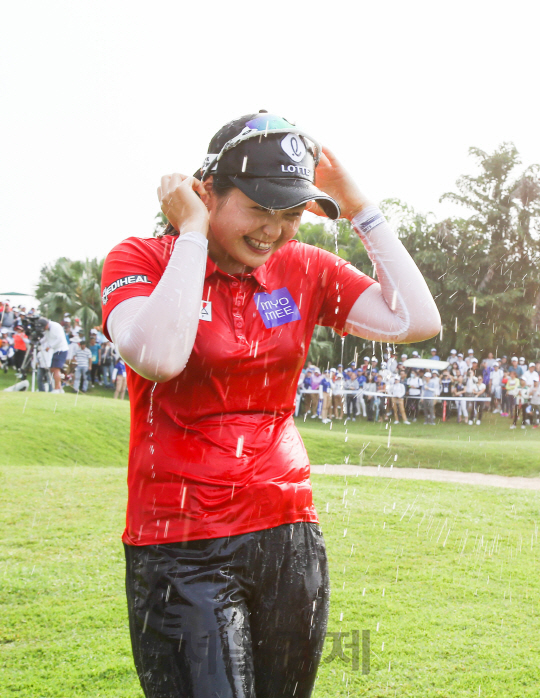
(100, 99)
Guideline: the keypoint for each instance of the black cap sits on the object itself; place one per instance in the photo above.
(276, 170)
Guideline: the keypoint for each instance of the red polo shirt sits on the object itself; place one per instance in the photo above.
(215, 451)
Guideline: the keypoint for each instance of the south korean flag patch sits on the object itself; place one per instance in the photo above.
(206, 311)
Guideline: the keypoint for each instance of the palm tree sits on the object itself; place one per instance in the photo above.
(72, 287)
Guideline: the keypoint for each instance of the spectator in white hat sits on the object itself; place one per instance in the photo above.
(474, 388)
(453, 358)
(429, 389)
(495, 387)
(530, 376)
(514, 365)
(462, 365)
(414, 385)
(434, 355)
(470, 357)
(338, 392)
(73, 347)
(392, 363)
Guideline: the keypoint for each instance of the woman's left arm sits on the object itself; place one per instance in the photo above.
(400, 308)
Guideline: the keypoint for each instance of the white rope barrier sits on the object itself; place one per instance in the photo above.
(362, 393)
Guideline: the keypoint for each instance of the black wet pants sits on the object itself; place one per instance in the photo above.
(238, 617)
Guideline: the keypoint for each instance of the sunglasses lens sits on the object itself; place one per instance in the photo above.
(268, 122)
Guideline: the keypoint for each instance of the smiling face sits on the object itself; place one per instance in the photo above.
(244, 235)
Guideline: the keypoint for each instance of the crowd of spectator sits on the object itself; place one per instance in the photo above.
(467, 387)
(63, 355)
(508, 386)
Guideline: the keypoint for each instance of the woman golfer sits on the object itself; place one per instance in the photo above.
(227, 579)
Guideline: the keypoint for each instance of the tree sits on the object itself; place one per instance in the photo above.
(503, 291)
(161, 223)
(338, 237)
(72, 287)
(483, 270)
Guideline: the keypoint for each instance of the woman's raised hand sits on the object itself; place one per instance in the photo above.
(333, 179)
(185, 211)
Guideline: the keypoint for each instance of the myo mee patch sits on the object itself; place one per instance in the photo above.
(277, 308)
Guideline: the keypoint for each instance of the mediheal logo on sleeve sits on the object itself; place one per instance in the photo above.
(277, 308)
(124, 281)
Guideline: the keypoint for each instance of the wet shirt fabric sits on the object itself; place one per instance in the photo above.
(214, 452)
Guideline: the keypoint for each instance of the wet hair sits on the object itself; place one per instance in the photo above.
(221, 185)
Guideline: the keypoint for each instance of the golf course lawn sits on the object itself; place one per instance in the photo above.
(444, 577)
(69, 429)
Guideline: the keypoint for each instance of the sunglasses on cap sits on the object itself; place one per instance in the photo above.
(261, 126)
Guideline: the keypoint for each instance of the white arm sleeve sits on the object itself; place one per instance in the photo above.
(400, 307)
(155, 334)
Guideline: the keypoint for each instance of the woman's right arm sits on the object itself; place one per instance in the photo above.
(155, 334)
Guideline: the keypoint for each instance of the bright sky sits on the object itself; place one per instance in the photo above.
(100, 99)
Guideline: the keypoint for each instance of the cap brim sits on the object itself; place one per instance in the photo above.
(279, 193)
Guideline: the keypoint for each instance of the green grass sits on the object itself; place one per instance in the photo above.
(43, 429)
(489, 448)
(447, 573)
(450, 575)
(63, 429)
(9, 378)
(458, 564)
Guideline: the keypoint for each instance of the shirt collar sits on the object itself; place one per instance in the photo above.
(260, 274)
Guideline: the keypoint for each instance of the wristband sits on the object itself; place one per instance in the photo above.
(196, 237)
(368, 219)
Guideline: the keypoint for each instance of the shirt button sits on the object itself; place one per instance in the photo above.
(235, 284)
(239, 323)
